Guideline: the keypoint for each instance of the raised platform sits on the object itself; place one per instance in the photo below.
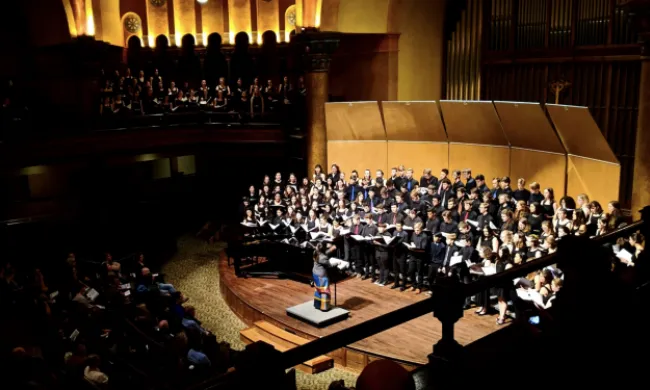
(257, 299)
(308, 313)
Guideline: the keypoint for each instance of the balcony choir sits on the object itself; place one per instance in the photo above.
(152, 94)
(450, 226)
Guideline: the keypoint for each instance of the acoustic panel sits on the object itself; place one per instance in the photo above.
(579, 132)
(598, 179)
(472, 122)
(358, 121)
(418, 155)
(413, 121)
(491, 161)
(526, 126)
(547, 169)
(359, 155)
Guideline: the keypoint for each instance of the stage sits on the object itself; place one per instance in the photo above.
(255, 299)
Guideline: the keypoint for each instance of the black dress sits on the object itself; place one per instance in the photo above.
(502, 291)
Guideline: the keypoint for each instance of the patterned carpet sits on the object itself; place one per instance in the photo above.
(195, 271)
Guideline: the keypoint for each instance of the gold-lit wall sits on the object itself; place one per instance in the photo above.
(420, 25)
(420, 59)
(112, 31)
(184, 19)
(239, 12)
(363, 16)
(157, 19)
(268, 18)
(212, 18)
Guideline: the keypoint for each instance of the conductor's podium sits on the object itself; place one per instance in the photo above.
(560, 147)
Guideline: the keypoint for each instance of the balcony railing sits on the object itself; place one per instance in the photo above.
(446, 304)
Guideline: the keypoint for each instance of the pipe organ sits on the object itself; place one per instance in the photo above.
(514, 50)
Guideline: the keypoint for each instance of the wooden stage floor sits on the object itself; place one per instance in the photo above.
(254, 299)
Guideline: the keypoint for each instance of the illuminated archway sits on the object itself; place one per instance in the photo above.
(289, 22)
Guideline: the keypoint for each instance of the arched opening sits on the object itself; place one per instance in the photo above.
(241, 41)
(269, 38)
(188, 42)
(134, 42)
(162, 42)
(289, 22)
(214, 41)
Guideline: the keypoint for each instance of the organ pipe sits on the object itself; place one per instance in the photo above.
(464, 54)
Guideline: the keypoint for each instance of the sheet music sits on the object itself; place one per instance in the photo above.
(273, 227)
(343, 232)
(624, 255)
(249, 224)
(388, 239)
(491, 270)
(409, 245)
(531, 295)
(455, 260)
(92, 294)
(473, 223)
(406, 227)
(315, 235)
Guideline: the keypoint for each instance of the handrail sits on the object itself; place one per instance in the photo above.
(386, 321)
(326, 344)
(533, 265)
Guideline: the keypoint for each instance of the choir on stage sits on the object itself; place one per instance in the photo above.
(405, 233)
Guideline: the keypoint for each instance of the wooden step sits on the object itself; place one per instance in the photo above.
(313, 366)
(274, 332)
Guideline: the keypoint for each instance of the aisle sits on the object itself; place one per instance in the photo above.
(195, 271)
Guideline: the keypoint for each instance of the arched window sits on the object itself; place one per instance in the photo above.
(214, 41)
(162, 41)
(241, 39)
(269, 38)
(188, 41)
(134, 42)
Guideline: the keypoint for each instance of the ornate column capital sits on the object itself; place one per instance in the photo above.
(639, 13)
(316, 48)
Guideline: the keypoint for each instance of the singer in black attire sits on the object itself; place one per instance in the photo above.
(417, 257)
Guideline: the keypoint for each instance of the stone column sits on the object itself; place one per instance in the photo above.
(639, 12)
(316, 49)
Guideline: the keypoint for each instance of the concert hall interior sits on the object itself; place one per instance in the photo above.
(323, 194)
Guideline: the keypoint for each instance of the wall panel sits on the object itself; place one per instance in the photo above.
(491, 161)
(354, 121)
(526, 126)
(418, 155)
(580, 133)
(598, 179)
(359, 155)
(548, 169)
(413, 121)
(472, 122)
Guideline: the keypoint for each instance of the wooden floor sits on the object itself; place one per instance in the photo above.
(254, 299)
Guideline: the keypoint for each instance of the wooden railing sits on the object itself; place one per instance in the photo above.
(446, 304)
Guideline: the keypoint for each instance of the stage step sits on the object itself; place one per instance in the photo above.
(275, 332)
(284, 341)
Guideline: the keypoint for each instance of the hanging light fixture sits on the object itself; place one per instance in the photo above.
(202, 1)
